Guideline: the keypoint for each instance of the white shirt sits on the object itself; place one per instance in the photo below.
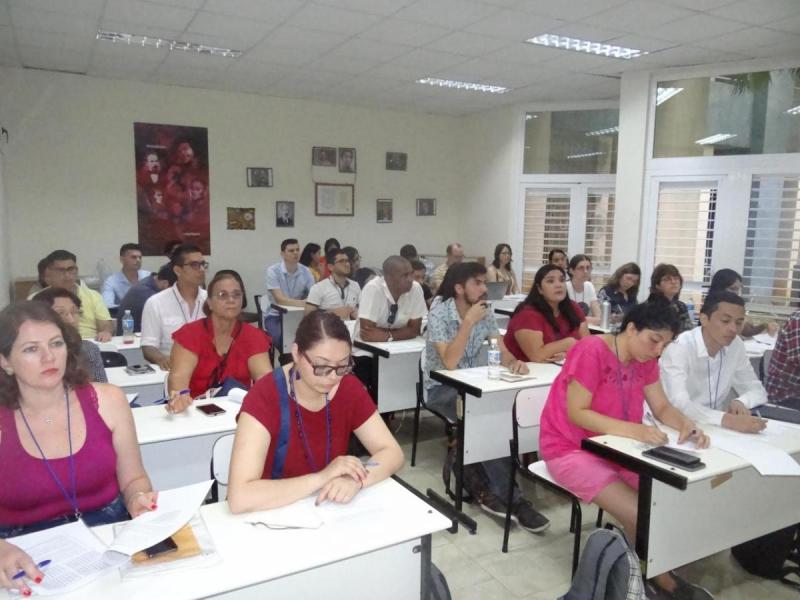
(166, 312)
(327, 294)
(587, 296)
(376, 299)
(699, 385)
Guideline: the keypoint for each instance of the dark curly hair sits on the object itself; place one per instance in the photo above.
(12, 318)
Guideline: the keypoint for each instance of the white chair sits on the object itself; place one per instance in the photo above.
(220, 466)
(525, 416)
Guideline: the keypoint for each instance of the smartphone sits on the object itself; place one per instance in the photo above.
(139, 369)
(211, 410)
(163, 547)
(676, 458)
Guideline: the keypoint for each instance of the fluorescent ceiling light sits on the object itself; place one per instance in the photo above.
(156, 42)
(794, 111)
(586, 155)
(567, 43)
(607, 131)
(715, 139)
(464, 85)
(664, 94)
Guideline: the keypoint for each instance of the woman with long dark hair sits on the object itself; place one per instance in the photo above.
(728, 280)
(666, 283)
(500, 270)
(621, 289)
(547, 323)
(310, 257)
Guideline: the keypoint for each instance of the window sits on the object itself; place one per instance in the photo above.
(771, 271)
(546, 227)
(599, 231)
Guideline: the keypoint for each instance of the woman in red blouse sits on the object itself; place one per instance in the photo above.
(324, 404)
(547, 323)
(208, 351)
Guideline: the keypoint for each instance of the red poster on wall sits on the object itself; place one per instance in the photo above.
(172, 186)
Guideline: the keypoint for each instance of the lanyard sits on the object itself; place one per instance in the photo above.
(183, 313)
(301, 429)
(73, 499)
(626, 397)
(712, 400)
(219, 370)
(340, 289)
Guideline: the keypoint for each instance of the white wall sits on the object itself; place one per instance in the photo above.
(69, 172)
(4, 228)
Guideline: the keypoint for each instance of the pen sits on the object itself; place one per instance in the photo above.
(371, 464)
(40, 565)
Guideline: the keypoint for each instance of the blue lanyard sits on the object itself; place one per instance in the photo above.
(73, 501)
(301, 429)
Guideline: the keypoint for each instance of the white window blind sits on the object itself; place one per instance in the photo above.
(599, 230)
(771, 271)
(685, 230)
(546, 227)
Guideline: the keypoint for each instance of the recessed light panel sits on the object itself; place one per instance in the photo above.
(563, 42)
(464, 85)
(133, 39)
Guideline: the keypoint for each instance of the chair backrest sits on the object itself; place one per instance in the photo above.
(765, 364)
(113, 359)
(528, 407)
(259, 311)
(220, 466)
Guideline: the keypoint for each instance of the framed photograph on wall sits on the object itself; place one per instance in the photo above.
(241, 218)
(284, 213)
(323, 156)
(334, 200)
(259, 177)
(396, 161)
(384, 210)
(347, 160)
(426, 207)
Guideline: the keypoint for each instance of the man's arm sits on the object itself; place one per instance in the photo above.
(747, 386)
(674, 365)
(107, 292)
(283, 300)
(151, 335)
(154, 355)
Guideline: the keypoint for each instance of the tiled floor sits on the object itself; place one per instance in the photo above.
(537, 567)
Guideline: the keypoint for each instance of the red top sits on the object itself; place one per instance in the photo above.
(530, 318)
(350, 407)
(198, 337)
(28, 493)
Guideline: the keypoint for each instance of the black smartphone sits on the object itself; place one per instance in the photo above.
(139, 369)
(163, 547)
(211, 410)
(676, 458)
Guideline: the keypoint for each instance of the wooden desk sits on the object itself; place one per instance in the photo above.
(395, 372)
(685, 516)
(149, 386)
(484, 416)
(379, 546)
(176, 449)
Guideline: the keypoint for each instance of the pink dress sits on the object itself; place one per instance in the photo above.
(617, 391)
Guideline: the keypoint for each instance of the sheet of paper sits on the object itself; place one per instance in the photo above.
(77, 556)
(414, 345)
(175, 509)
(688, 445)
(301, 514)
(766, 339)
(237, 395)
(765, 458)
(131, 397)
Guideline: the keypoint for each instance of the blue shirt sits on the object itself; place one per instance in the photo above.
(293, 285)
(443, 325)
(117, 285)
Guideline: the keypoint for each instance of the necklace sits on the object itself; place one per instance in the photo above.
(625, 394)
(72, 499)
(301, 428)
(713, 399)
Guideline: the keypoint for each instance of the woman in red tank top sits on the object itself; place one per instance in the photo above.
(68, 448)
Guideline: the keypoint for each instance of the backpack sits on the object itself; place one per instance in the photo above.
(608, 569)
(773, 556)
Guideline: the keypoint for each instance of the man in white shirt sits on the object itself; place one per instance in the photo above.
(701, 367)
(118, 284)
(336, 293)
(169, 310)
(392, 306)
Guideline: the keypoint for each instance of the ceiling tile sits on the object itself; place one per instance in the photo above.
(122, 55)
(693, 29)
(468, 44)
(195, 4)
(145, 14)
(282, 55)
(569, 10)
(63, 60)
(53, 42)
(121, 26)
(397, 31)
(343, 64)
(488, 71)
(381, 51)
(274, 11)
(199, 78)
(428, 60)
(36, 20)
(699, 5)
(5, 14)
(790, 25)
(90, 9)
(780, 50)
(580, 61)
(527, 54)
(240, 33)
(395, 72)
(514, 25)
(582, 31)
(288, 36)
(758, 12)
(687, 55)
(453, 14)
(635, 15)
(137, 71)
(646, 43)
(337, 20)
(193, 60)
(752, 37)
(375, 7)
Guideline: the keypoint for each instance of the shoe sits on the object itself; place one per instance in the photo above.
(528, 518)
(689, 591)
(492, 504)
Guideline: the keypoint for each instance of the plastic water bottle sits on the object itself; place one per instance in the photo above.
(690, 309)
(494, 360)
(127, 327)
(605, 315)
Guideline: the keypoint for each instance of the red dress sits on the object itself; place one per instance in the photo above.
(350, 407)
(198, 338)
(530, 318)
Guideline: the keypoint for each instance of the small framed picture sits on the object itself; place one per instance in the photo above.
(241, 218)
(384, 210)
(396, 161)
(426, 207)
(323, 156)
(334, 200)
(284, 213)
(259, 177)
(347, 160)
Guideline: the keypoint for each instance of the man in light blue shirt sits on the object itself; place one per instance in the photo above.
(117, 285)
(288, 284)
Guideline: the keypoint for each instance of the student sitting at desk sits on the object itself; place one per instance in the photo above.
(68, 448)
(580, 288)
(601, 390)
(728, 280)
(458, 325)
(338, 293)
(666, 283)
(207, 352)
(547, 323)
(621, 290)
(318, 404)
(288, 284)
(500, 269)
(783, 374)
(704, 364)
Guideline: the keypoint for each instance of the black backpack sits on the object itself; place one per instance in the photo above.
(772, 556)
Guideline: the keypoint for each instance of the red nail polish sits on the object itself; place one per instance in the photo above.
(38, 579)
(153, 506)
(26, 592)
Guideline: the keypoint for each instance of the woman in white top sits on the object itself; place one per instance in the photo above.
(500, 269)
(580, 288)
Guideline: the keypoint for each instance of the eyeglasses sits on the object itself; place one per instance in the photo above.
(196, 265)
(392, 314)
(224, 296)
(65, 270)
(505, 253)
(325, 370)
(341, 260)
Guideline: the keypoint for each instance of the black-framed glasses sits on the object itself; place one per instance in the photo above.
(196, 264)
(65, 270)
(325, 370)
(392, 314)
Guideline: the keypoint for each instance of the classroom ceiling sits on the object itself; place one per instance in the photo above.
(371, 52)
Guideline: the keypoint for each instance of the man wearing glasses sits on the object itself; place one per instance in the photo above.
(174, 307)
(392, 306)
(337, 293)
(61, 271)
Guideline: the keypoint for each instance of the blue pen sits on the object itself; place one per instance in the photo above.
(40, 565)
